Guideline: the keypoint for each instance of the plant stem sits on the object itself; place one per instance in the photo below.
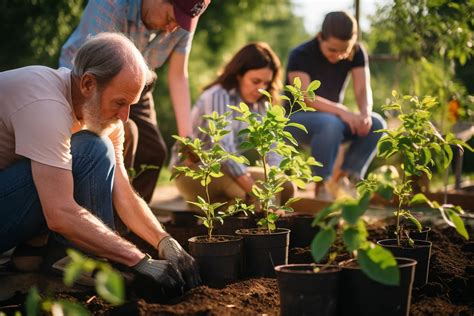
(400, 203)
(208, 215)
(265, 203)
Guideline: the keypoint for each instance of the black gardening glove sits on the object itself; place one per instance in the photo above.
(171, 250)
(162, 272)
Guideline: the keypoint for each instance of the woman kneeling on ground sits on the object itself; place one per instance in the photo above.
(255, 66)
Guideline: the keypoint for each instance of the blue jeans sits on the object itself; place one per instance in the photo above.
(93, 167)
(326, 132)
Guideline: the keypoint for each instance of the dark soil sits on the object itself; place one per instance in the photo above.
(450, 290)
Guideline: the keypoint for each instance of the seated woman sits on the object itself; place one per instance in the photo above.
(255, 66)
(331, 57)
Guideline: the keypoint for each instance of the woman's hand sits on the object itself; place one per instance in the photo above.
(351, 119)
(364, 125)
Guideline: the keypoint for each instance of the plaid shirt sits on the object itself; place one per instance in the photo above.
(125, 16)
(216, 98)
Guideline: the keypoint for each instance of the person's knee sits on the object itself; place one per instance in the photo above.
(98, 151)
(330, 125)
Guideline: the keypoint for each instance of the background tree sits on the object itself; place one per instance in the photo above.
(33, 31)
(429, 37)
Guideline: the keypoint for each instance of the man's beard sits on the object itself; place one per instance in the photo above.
(92, 117)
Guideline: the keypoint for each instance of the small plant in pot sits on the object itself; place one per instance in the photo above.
(372, 283)
(267, 246)
(219, 256)
(420, 147)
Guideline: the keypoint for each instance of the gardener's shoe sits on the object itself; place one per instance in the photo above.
(322, 194)
(341, 189)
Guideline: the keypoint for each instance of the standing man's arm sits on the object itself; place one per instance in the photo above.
(179, 92)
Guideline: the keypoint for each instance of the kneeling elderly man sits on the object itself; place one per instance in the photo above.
(61, 161)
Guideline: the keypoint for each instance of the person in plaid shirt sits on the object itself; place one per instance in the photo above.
(163, 31)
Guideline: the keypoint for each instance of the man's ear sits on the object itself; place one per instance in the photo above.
(88, 84)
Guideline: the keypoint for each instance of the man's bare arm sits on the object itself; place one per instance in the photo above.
(134, 211)
(66, 217)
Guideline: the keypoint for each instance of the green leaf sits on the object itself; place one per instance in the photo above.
(246, 145)
(297, 82)
(354, 236)
(299, 126)
(244, 107)
(72, 272)
(33, 301)
(265, 93)
(449, 152)
(320, 216)
(313, 85)
(458, 224)
(384, 146)
(321, 243)
(352, 211)
(420, 198)
(414, 220)
(379, 265)
(426, 155)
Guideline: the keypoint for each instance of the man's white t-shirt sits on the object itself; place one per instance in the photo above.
(37, 118)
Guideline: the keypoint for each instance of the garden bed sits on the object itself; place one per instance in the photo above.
(450, 290)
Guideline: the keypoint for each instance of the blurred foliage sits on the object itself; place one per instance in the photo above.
(33, 31)
(424, 28)
(432, 41)
(429, 37)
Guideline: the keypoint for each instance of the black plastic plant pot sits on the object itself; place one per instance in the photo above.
(360, 295)
(263, 250)
(421, 252)
(423, 235)
(219, 260)
(233, 223)
(305, 292)
(302, 233)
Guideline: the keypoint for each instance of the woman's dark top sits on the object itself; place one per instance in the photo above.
(308, 58)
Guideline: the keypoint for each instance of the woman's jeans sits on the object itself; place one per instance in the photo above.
(326, 132)
(93, 167)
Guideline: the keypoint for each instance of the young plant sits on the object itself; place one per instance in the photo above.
(420, 147)
(210, 156)
(267, 135)
(133, 173)
(108, 285)
(345, 217)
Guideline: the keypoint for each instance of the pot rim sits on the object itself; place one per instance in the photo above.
(286, 268)
(418, 243)
(278, 231)
(230, 238)
(408, 262)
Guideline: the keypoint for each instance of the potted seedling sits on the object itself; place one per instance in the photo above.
(218, 256)
(372, 283)
(267, 246)
(420, 147)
